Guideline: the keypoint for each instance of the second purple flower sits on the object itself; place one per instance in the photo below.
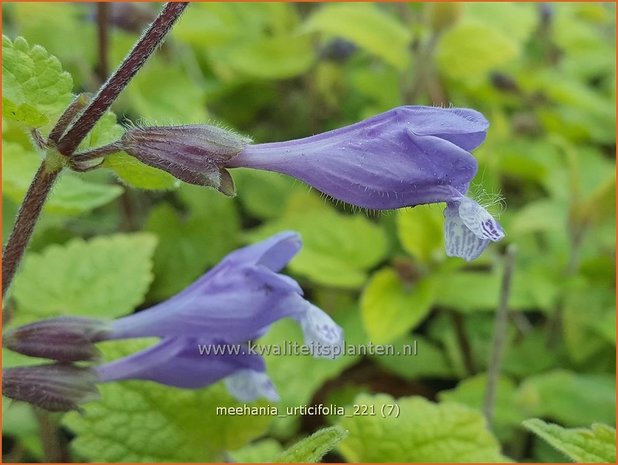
(204, 329)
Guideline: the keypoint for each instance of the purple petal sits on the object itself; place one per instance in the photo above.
(230, 306)
(463, 127)
(404, 157)
(273, 253)
(235, 300)
(178, 362)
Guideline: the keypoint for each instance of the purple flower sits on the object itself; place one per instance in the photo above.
(407, 156)
(182, 362)
(233, 303)
(404, 157)
(204, 329)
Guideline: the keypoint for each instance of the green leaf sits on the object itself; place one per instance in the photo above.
(390, 308)
(263, 193)
(314, 447)
(261, 451)
(367, 26)
(35, 89)
(470, 50)
(475, 291)
(380, 84)
(33, 22)
(517, 21)
(605, 327)
(104, 132)
(19, 423)
(479, 329)
(287, 56)
(530, 356)
(212, 24)
(165, 90)
(137, 174)
(141, 421)
(337, 248)
(417, 430)
(428, 362)
(70, 196)
(9, 212)
(218, 24)
(579, 112)
(507, 414)
(420, 231)
(105, 277)
(575, 399)
(188, 246)
(594, 445)
(584, 307)
(545, 215)
(469, 291)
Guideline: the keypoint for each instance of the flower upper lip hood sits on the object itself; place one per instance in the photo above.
(237, 298)
(273, 253)
(407, 156)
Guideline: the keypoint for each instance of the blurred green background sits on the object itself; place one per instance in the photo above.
(543, 74)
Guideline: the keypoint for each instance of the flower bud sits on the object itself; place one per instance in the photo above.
(196, 154)
(66, 339)
(55, 387)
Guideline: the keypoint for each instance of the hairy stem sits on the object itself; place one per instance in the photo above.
(77, 105)
(26, 219)
(500, 334)
(66, 144)
(136, 58)
(98, 152)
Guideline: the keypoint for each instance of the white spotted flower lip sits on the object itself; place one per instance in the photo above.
(469, 228)
(248, 385)
(319, 330)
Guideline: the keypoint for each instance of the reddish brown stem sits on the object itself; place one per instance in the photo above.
(136, 58)
(26, 219)
(47, 173)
